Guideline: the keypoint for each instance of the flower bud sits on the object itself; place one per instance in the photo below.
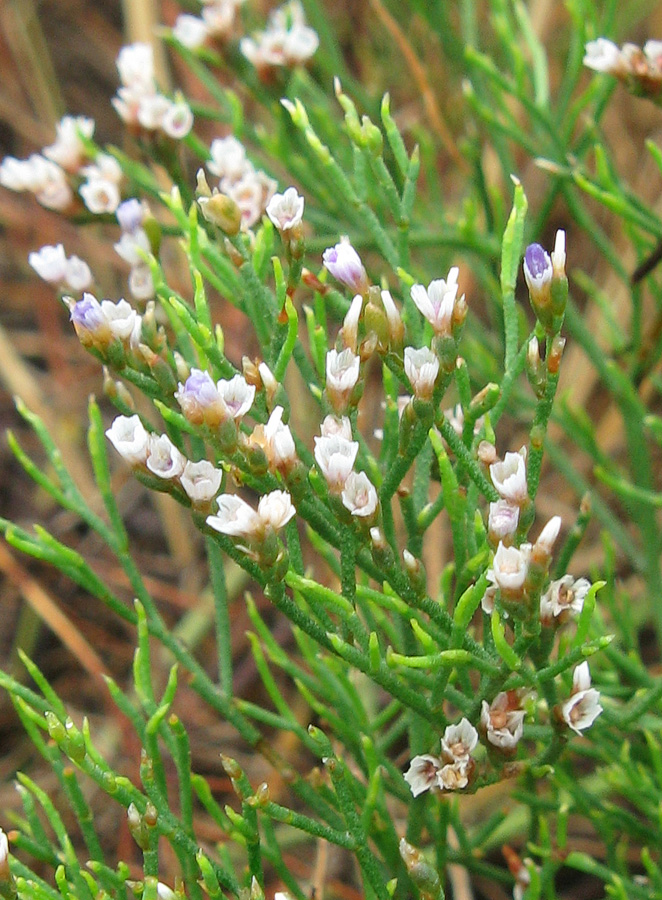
(222, 211)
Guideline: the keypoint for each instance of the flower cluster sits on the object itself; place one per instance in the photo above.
(452, 769)
(640, 69)
(156, 454)
(249, 189)
(286, 41)
(134, 245)
(49, 175)
(138, 101)
(53, 265)
(216, 22)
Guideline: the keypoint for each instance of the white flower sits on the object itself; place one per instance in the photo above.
(510, 567)
(53, 190)
(558, 255)
(164, 459)
(280, 448)
(459, 740)
(286, 210)
(509, 477)
(163, 892)
(237, 396)
(77, 274)
(583, 707)
(335, 458)
(219, 17)
(344, 263)
(177, 120)
(359, 495)
(488, 598)
(68, 150)
(342, 374)
(421, 368)
(454, 776)
(251, 194)
(235, 517)
(423, 774)
(201, 481)
(276, 509)
(437, 302)
(547, 537)
(332, 425)
(350, 326)
(190, 31)
(130, 439)
(121, 318)
(133, 246)
(287, 40)
(563, 595)
(502, 521)
(503, 723)
(135, 64)
(50, 263)
(653, 53)
(228, 158)
(151, 110)
(100, 195)
(141, 283)
(603, 55)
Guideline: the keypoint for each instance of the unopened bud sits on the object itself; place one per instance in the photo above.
(269, 383)
(202, 185)
(555, 354)
(4, 858)
(487, 453)
(251, 372)
(222, 211)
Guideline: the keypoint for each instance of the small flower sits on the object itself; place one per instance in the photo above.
(163, 892)
(50, 263)
(547, 538)
(200, 400)
(100, 195)
(583, 707)
(163, 458)
(350, 326)
(396, 328)
(359, 495)
(228, 158)
(287, 40)
(286, 210)
(280, 448)
(423, 774)
(276, 509)
(509, 477)
(121, 317)
(135, 64)
(437, 301)
(141, 283)
(459, 740)
(454, 776)
(237, 396)
(177, 120)
(558, 255)
(421, 368)
(133, 247)
(489, 598)
(201, 481)
(344, 263)
(341, 427)
(503, 720)
(342, 375)
(603, 55)
(190, 31)
(129, 437)
(90, 322)
(131, 215)
(538, 272)
(510, 567)
(77, 275)
(335, 457)
(502, 521)
(68, 151)
(566, 595)
(235, 517)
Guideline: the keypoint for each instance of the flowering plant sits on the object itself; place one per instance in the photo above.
(369, 462)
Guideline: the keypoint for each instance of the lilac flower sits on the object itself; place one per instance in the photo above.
(344, 263)
(200, 400)
(131, 214)
(90, 322)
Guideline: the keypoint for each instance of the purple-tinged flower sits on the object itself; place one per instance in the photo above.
(129, 437)
(359, 495)
(502, 521)
(201, 481)
(237, 396)
(163, 458)
(344, 263)
(131, 214)
(538, 272)
(90, 322)
(583, 707)
(437, 301)
(421, 368)
(200, 400)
